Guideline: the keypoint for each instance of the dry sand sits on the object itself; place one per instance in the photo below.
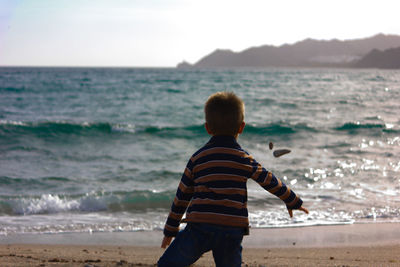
(69, 255)
(343, 246)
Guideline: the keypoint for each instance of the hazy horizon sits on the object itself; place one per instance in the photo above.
(163, 33)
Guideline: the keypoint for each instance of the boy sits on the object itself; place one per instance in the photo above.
(213, 192)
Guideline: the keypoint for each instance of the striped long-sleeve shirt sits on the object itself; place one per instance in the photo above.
(213, 186)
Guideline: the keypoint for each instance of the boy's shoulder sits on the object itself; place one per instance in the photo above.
(218, 145)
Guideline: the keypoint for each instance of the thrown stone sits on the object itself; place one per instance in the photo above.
(280, 152)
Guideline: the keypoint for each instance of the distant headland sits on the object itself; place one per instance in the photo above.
(379, 51)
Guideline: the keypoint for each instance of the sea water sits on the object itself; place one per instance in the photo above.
(103, 149)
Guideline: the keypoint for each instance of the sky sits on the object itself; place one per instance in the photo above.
(162, 33)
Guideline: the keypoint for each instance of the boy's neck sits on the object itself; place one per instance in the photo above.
(234, 136)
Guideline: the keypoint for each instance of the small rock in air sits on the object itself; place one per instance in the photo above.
(280, 152)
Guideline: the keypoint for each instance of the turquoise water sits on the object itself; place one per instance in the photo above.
(102, 149)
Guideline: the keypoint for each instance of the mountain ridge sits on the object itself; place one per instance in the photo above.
(386, 59)
(305, 53)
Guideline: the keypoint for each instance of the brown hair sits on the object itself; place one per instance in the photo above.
(224, 113)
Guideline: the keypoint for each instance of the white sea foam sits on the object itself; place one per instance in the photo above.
(49, 203)
(130, 128)
(15, 123)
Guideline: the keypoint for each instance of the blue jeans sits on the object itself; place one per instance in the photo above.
(198, 238)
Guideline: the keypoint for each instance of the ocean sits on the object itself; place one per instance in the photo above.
(103, 149)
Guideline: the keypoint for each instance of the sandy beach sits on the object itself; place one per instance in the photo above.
(344, 245)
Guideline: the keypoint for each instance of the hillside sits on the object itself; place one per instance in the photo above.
(306, 53)
(387, 59)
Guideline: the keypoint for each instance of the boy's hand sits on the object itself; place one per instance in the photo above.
(166, 241)
(301, 208)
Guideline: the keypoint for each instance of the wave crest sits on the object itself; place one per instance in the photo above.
(279, 128)
(355, 127)
(133, 201)
(13, 129)
(55, 128)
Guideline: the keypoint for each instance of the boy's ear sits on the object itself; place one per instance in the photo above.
(208, 129)
(241, 128)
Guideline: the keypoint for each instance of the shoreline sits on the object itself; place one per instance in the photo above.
(357, 234)
(340, 245)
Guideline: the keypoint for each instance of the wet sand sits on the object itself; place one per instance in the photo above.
(345, 245)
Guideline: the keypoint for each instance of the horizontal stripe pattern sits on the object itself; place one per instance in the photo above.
(213, 186)
(216, 218)
(223, 202)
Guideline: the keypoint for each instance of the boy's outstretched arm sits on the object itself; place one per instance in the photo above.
(181, 201)
(276, 187)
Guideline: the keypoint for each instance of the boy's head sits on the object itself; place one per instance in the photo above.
(224, 112)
